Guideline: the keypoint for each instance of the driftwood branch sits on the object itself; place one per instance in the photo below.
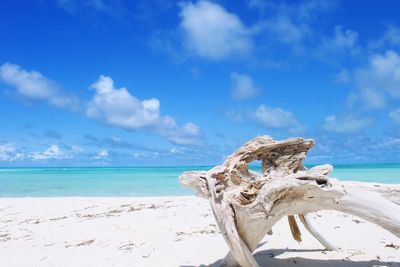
(247, 204)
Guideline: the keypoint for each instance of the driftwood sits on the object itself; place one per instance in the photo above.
(247, 204)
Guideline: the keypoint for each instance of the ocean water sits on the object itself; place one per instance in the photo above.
(141, 181)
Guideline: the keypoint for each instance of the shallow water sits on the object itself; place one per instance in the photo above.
(141, 181)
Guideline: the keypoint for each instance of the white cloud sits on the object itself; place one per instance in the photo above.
(269, 117)
(18, 156)
(347, 124)
(188, 134)
(379, 81)
(243, 87)
(176, 151)
(118, 107)
(35, 86)
(102, 155)
(391, 142)
(274, 117)
(344, 39)
(286, 30)
(9, 153)
(212, 32)
(290, 24)
(341, 43)
(391, 37)
(53, 152)
(394, 115)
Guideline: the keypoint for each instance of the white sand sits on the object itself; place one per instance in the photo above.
(169, 231)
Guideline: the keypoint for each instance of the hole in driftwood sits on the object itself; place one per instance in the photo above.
(321, 182)
(256, 166)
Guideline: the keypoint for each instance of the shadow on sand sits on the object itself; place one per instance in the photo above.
(267, 258)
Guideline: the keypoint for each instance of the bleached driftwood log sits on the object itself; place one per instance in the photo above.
(247, 204)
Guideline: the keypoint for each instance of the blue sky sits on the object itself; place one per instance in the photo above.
(137, 83)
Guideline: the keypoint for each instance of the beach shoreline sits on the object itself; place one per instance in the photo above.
(169, 231)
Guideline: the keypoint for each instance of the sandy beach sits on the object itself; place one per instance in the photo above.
(169, 231)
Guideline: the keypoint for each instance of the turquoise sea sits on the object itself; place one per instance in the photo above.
(141, 181)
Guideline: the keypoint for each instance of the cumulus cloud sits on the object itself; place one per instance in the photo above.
(394, 115)
(391, 37)
(118, 107)
(343, 42)
(355, 148)
(5, 151)
(290, 24)
(344, 39)
(390, 143)
(268, 117)
(8, 152)
(242, 86)
(274, 117)
(102, 155)
(113, 106)
(53, 152)
(188, 134)
(379, 81)
(33, 85)
(346, 124)
(210, 31)
(285, 30)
